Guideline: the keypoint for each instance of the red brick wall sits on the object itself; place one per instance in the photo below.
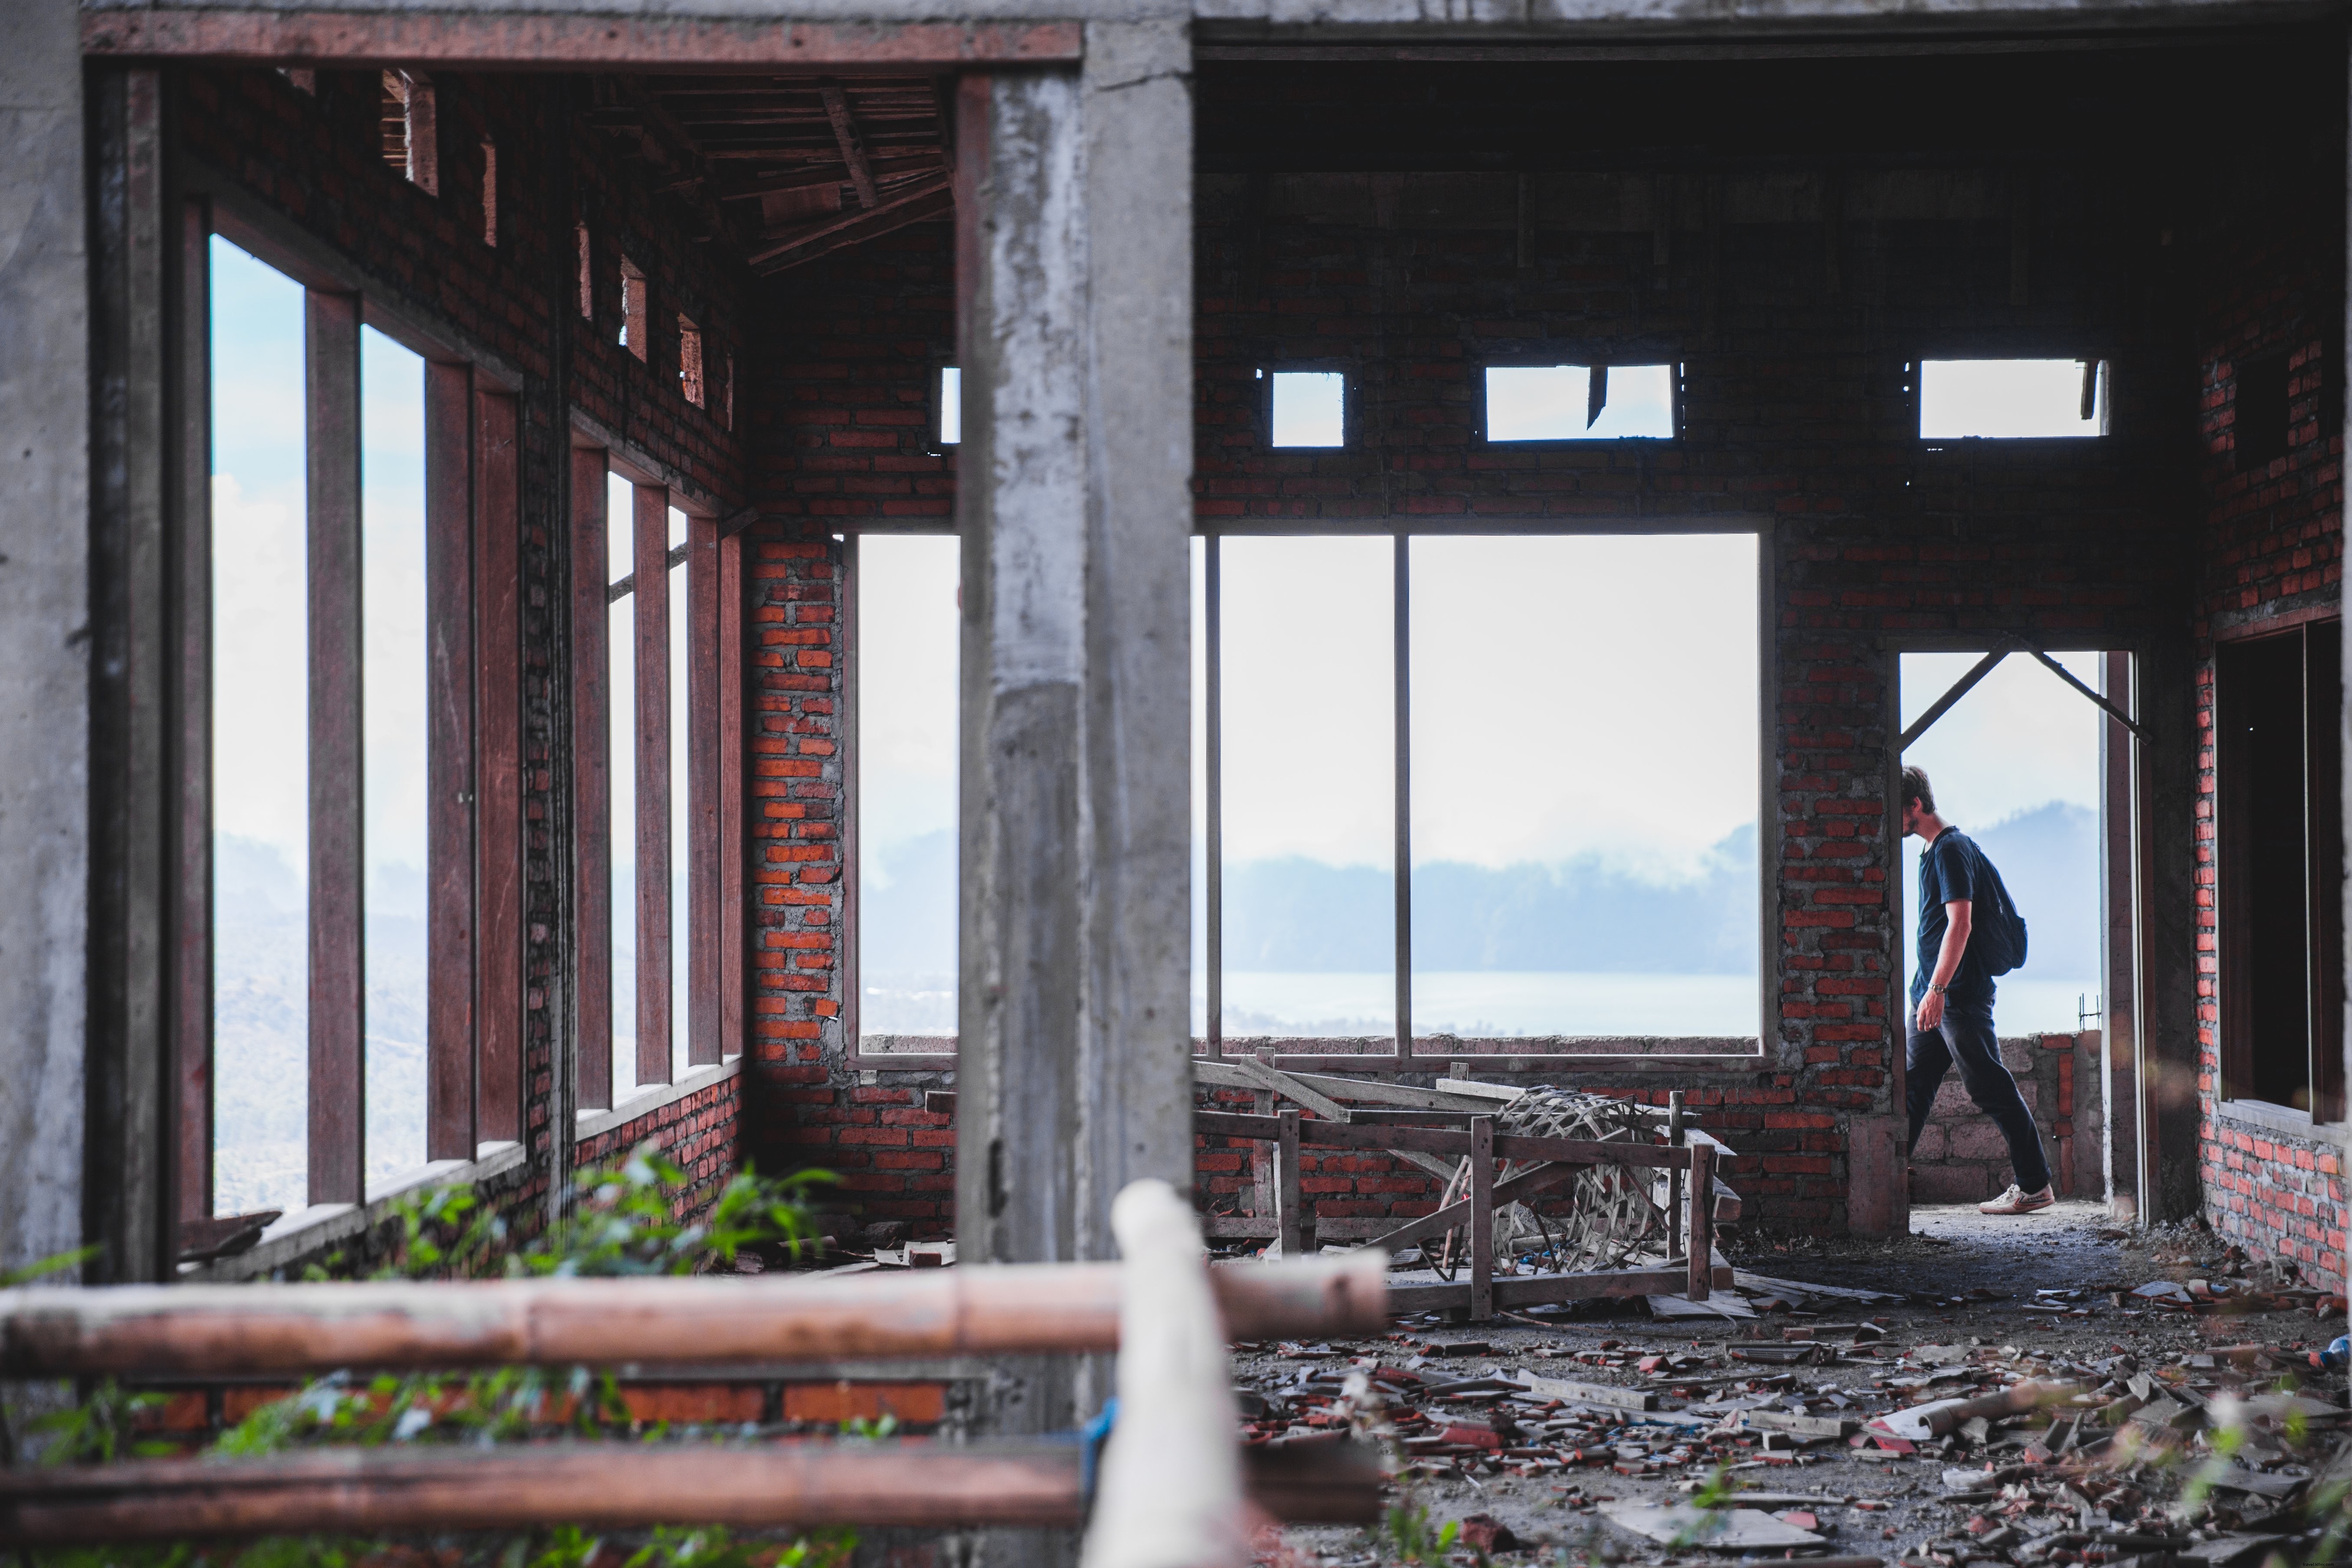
(2270, 543)
(839, 427)
(702, 1131)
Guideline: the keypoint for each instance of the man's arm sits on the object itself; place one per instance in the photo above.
(1959, 917)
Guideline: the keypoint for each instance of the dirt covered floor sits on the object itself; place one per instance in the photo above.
(2135, 1396)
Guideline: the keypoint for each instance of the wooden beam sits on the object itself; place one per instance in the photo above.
(1942, 705)
(929, 199)
(1525, 1185)
(191, 759)
(844, 135)
(591, 788)
(338, 1082)
(1482, 1217)
(498, 796)
(450, 1109)
(650, 536)
(328, 36)
(916, 1483)
(979, 1309)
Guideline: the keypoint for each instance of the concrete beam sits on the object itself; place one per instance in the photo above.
(44, 631)
(1075, 267)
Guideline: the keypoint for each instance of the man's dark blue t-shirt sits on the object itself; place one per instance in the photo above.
(1950, 869)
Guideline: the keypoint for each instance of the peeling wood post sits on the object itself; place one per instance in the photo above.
(191, 763)
(1702, 1220)
(501, 905)
(1292, 1233)
(451, 1109)
(649, 561)
(1075, 317)
(1481, 1218)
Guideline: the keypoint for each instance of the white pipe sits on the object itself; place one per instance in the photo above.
(1170, 1490)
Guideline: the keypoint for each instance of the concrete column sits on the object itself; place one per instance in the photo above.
(44, 630)
(1075, 249)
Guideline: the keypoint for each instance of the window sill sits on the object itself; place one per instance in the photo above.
(2272, 1118)
(303, 1234)
(652, 1098)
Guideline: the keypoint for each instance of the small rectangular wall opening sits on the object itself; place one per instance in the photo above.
(489, 193)
(947, 419)
(1308, 408)
(632, 309)
(690, 360)
(587, 272)
(409, 139)
(2012, 399)
(1580, 402)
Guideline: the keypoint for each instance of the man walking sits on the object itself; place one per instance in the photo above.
(1951, 999)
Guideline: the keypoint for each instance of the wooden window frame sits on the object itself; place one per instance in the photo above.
(2324, 904)
(474, 955)
(1402, 1053)
(714, 926)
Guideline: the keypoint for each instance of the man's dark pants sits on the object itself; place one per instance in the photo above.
(1966, 1036)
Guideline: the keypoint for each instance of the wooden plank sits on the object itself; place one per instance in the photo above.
(730, 922)
(845, 136)
(337, 1123)
(450, 1128)
(1474, 1089)
(651, 566)
(1287, 1202)
(1588, 1393)
(1531, 1289)
(1511, 1189)
(1226, 1074)
(498, 911)
(192, 763)
(1262, 1075)
(1482, 1217)
(1447, 1141)
(1701, 1225)
(703, 748)
(592, 788)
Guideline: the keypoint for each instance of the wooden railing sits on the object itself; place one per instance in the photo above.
(1164, 1309)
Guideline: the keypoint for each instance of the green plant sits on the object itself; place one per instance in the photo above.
(99, 1430)
(1410, 1534)
(859, 1426)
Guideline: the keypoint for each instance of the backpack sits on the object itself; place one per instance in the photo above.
(1999, 933)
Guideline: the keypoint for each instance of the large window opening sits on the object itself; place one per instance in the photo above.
(1409, 828)
(904, 660)
(2010, 399)
(2278, 786)
(392, 701)
(1580, 402)
(2015, 764)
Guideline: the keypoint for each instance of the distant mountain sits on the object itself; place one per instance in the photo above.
(1300, 915)
(2049, 861)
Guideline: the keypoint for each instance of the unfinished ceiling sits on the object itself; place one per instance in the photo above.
(783, 169)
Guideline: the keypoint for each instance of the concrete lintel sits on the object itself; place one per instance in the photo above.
(1534, 22)
(560, 38)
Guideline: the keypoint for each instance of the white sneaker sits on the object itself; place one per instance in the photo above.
(2017, 1200)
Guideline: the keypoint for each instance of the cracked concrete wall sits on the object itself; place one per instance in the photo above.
(44, 631)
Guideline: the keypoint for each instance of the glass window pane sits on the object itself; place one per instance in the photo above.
(2015, 765)
(260, 679)
(1554, 403)
(1584, 787)
(392, 684)
(1308, 758)
(681, 798)
(2010, 398)
(908, 632)
(621, 634)
(1309, 408)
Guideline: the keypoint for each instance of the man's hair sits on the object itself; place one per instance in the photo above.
(1916, 788)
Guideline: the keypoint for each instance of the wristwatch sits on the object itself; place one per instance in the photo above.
(1937, 990)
